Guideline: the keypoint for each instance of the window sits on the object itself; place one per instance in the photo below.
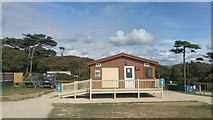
(146, 64)
(148, 72)
(97, 73)
(128, 72)
(98, 65)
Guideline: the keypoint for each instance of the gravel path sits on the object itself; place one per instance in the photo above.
(40, 107)
(30, 108)
(175, 96)
(167, 96)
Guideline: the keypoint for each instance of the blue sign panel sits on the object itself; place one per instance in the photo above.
(189, 88)
(58, 88)
(162, 82)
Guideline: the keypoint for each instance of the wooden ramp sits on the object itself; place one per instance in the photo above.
(74, 89)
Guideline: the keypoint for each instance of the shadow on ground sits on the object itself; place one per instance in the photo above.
(118, 95)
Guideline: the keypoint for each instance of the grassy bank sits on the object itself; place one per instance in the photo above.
(22, 90)
(20, 93)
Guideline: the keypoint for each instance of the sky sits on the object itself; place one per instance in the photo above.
(102, 29)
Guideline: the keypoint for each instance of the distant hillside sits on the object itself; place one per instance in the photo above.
(17, 61)
(77, 65)
(14, 60)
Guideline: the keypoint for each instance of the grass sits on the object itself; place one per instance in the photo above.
(19, 93)
(6, 91)
(132, 110)
(204, 107)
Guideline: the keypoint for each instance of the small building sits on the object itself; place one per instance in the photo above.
(64, 72)
(117, 74)
(11, 78)
(122, 67)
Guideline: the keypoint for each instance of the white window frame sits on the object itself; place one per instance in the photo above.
(98, 65)
(146, 64)
(99, 74)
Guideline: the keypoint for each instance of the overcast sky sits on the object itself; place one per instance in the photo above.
(97, 30)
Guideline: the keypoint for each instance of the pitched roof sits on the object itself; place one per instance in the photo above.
(122, 55)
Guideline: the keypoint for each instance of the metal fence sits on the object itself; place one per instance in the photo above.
(7, 79)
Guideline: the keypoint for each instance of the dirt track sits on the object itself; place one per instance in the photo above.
(40, 107)
(30, 108)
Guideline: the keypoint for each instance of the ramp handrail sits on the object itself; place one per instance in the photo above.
(75, 88)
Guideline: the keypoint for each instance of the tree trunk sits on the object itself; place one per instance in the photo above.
(26, 73)
(31, 61)
(188, 80)
(62, 51)
(184, 67)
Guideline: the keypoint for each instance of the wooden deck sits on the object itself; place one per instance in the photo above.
(110, 87)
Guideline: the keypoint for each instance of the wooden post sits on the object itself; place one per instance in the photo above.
(75, 88)
(59, 95)
(162, 92)
(138, 90)
(90, 89)
(114, 90)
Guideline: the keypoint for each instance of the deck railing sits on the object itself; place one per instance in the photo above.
(125, 84)
(109, 86)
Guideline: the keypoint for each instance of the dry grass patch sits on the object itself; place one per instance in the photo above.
(132, 110)
(20, 93)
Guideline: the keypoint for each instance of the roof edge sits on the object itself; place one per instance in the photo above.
(121, 55)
